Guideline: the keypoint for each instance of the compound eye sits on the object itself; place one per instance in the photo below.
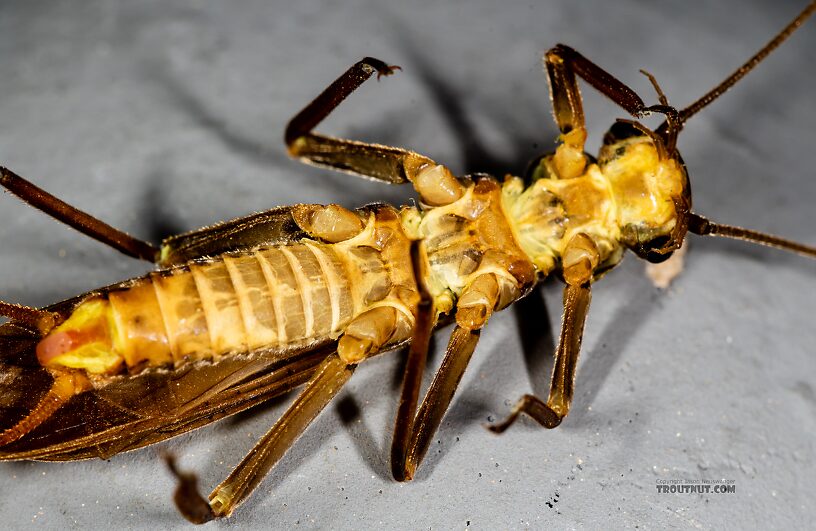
(621, 131)
(652, 250)
(656, 243)
(656, 258)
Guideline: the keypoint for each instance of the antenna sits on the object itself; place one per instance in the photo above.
(704, 227)
(749, 65)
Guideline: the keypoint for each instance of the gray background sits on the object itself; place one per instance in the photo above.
(166, 116)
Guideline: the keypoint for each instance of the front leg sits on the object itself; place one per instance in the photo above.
(435, 184)
(563, 65)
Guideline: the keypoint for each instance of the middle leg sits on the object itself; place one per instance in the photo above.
(413, 430)
(580, 259)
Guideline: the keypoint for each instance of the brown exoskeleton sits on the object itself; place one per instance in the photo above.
(242, 311)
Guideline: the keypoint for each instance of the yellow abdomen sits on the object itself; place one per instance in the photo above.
(274, 298)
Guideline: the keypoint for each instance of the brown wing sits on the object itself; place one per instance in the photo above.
(263, 228)
(139, 410)
(136, 411)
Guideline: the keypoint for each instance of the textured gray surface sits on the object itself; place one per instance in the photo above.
(167, 116)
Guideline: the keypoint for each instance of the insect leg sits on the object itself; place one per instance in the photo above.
(73, 217)
(330, 223)
(567, 105)
(64, 387)
(414, 368)
(40, 320)
(435, 183)
(324, 385)
(460, 348)
(563, 65)
(580, 259)
(412, 434)
(363, 337)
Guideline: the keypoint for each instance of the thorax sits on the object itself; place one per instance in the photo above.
(468, 238)
(546, 214)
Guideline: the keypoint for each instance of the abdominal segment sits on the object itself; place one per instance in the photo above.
(273, 298)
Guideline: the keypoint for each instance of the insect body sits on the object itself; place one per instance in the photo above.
(278, 297)
(241, 311)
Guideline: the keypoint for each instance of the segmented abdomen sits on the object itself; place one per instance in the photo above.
(273, 298)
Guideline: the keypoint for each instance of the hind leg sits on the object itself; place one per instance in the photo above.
(73, 217)
(40, 320)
